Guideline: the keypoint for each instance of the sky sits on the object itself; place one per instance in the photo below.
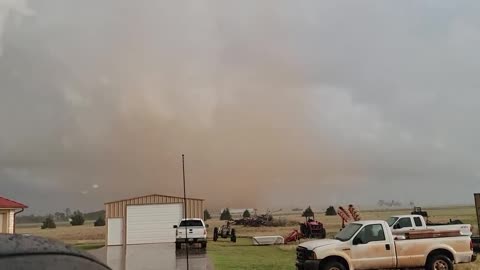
(275, 104)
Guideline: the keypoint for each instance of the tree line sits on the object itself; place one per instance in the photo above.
(75, 218)
(59, 216)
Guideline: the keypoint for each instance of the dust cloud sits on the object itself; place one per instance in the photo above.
(114, 101)
(272, 104)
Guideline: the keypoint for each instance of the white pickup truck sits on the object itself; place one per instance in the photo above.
(191, 231)
(406, 223)
(371, 245)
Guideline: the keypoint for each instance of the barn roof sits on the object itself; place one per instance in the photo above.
(6, 203)
(165, 196)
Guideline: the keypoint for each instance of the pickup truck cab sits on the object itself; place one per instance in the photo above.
(406, 223)
(371, 245)
(191, 231)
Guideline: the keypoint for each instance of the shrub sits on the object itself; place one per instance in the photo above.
(246, 213)
(331, 211)
(77, 218)
(226, 215)
(49, 223)
(99, 222)
(206, 215)
(308, 212)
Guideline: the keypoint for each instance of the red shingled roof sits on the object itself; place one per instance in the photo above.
(6, 203)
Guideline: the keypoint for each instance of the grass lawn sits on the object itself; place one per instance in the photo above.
(242, 255)
(89, 246)
(66, 233)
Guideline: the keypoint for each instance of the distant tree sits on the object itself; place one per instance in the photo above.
(392, 203)
(412, 204)
(99, 222)
(381, 203)
(48, 223)
(29, 219)
(225, 215)
(308, 212)
(77, 218)
(68, 213)
(94, 215)
(206, 215)
(331, 211)
(246, 213)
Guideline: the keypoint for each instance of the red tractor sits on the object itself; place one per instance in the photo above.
(309, 229)
(312, 228)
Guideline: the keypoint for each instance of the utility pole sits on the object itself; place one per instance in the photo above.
(185, 208)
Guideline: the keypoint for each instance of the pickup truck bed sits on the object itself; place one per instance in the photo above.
(410, 253)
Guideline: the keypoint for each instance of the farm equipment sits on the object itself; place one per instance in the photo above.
(225, 231)
(348, 215)
(294, 236)
(256, 221)
(309, 229)
(418, 211)
(312, 228)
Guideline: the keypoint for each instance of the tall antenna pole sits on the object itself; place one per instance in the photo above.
(185, 208)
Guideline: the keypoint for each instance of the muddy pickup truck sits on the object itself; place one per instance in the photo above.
(407, 223)
(371, 245)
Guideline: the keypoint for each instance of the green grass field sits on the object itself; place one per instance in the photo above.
(88, 246)
(242, 255)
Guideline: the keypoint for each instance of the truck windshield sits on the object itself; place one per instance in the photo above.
(191, 223)
(392, 221)
(348, 232)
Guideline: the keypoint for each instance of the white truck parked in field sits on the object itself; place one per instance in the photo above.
(371, 245)
(407, 223)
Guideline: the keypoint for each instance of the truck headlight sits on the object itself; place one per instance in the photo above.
(310, 255)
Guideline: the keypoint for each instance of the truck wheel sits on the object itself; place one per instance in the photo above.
(439, 262)
(303, 229)
(204, 245)
(215, 234)
(323, 233)
(309, 232)
(334, 265)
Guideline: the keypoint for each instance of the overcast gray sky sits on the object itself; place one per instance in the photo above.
(274, 103)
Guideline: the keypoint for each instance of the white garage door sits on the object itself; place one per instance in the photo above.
(115, 231)
(148, 224)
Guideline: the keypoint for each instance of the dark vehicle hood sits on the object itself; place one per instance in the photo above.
(22, 245)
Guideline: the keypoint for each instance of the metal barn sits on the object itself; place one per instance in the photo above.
(147, 219)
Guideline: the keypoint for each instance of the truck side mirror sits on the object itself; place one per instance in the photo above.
(356, 241)
(175, 226)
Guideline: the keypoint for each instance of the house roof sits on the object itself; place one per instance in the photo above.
(6, 203)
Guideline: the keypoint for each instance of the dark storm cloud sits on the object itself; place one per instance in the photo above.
(339, 101)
